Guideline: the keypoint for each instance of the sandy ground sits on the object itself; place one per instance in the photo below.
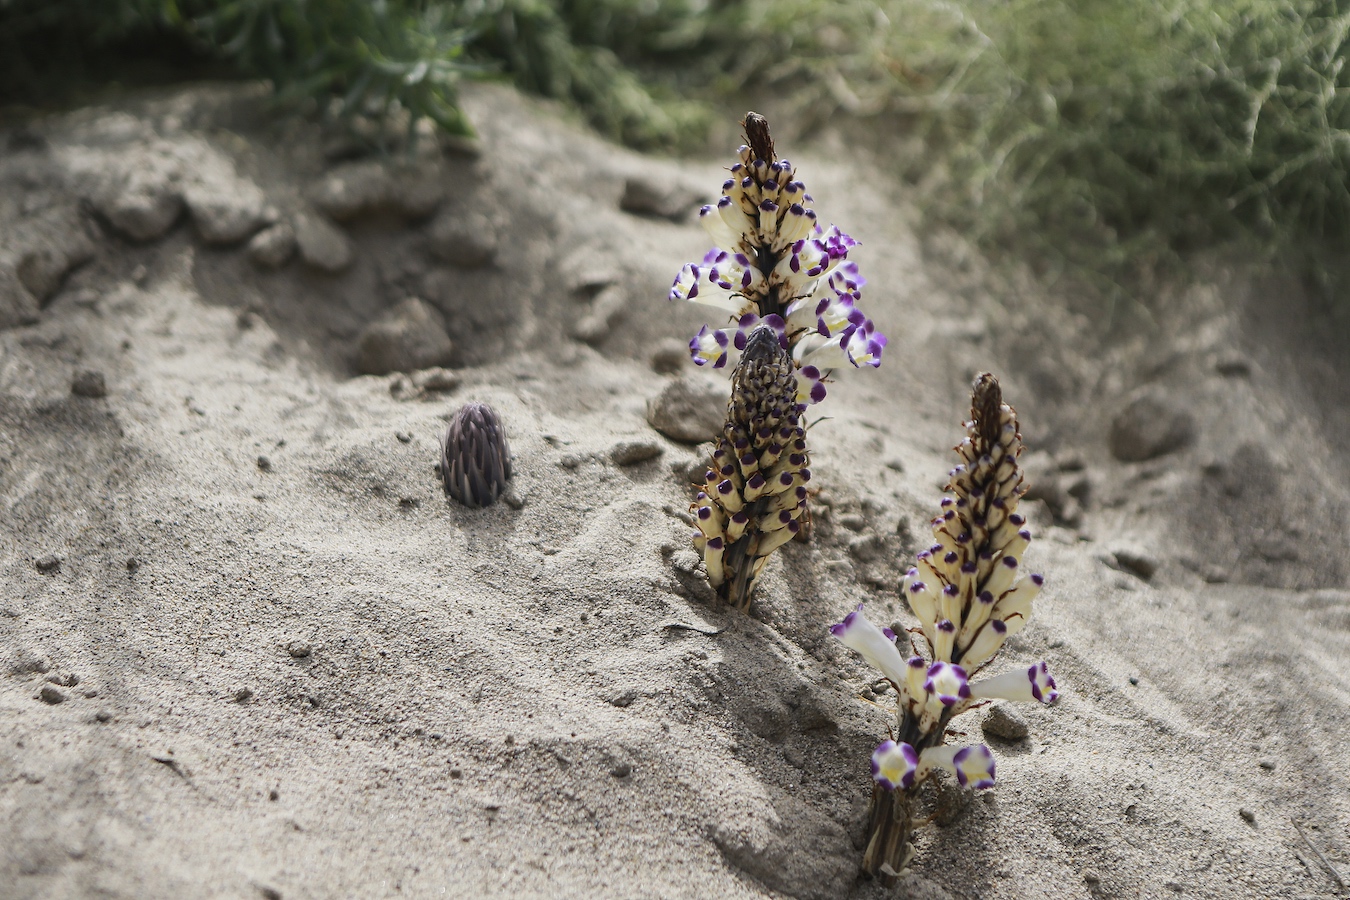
(249, 649)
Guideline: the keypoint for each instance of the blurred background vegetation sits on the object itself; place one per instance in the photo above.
(1104, 138)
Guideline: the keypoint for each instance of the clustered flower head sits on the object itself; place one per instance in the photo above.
(775, 265)
(753, 495)
(969, 594)
(475, 460)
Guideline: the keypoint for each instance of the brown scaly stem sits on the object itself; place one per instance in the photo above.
(890, 826)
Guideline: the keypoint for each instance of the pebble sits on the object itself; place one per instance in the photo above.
(1136, 562)
(670, 356)
(225, 207)
(298, 649)
(410, 336)
(52, 694)
(133, 565)
(1001, 722)
(139, 194)
(63, 679)
(690, 411)
(436, 379)
(466, 240)
(322, 245)
(17, 305)
(272, 247)
(48, 565)
(242, 695)
(628, 453)
(264, 464)
(1248, 816)
(103, 715)
(1267, 764)
(621, 770)
(1149, 427)
(649, 196)
(89, 384)
(624, 698)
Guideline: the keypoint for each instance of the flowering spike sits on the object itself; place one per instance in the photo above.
(774, 259)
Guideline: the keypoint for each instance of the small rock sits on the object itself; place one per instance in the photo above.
(621, 770)
(1234, 367)
(456, 773)
(63, 679)
(512, 499)
(853, 521)
(689, 411)
(48, 565)
(436, 379)
(1134, 680)
(624, 698)
(1136, 562)
(272, 247)
(895, 464)
(405, 438)
(139, 195)
(1267, 764)
(1149, 427)
(225, 207)
(133, 565)
(89, 384)
(103, 715)
(52, 694)
(410, 336)
(264, 464)
(298, 649)
(17, 305)
(242, 694)
(606, 309)
(1001, 722)
(649, 196)
(321, 244)
(466, 240)
(348, 190)
(630, 453)
(670, 356)
(1247, 815)
(867, 548)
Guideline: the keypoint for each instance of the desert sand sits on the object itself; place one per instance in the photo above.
(248, 648)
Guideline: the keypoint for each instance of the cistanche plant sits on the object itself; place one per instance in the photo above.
(970, 595)
(790, 293)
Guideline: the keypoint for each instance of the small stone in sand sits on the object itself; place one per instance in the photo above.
(670, 356)
(436, 380)
(52, 694)
(1247, 815)
(628, 453)
(1001, 722)
(322, 245)
(1149, 427)
(410, 336)
(242, 694)
(272, 247)
(133, 565)
(103, 715)
(1136, 563)
(689, 411)
(624, 698)
(298, 649)
(48, 565)
(89, 384)
(264, 464)
(622, 770)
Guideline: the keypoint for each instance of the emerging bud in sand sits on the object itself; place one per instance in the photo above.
(475, 460)
(754, 491)
(969, 593)
(775, 264)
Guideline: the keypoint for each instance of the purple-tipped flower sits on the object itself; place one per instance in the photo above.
(774, 260)
(894, 765)
(947, 683)
(1033, 683)
(876, 645)
(973, 765)
(475, 460)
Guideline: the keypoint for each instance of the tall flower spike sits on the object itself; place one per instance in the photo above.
(774, 261)
(475, 460)
(969, 593)
(753, 494)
